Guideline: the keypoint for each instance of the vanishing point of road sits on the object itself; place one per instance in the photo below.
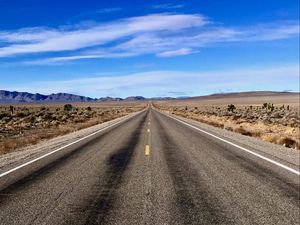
(153, 169)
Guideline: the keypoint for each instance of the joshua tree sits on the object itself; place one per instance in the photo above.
(231, 108)
(271, 107)
(11, 108)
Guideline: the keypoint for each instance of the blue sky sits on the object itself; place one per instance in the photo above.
(149, 48)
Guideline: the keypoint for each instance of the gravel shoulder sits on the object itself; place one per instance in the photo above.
(279, 153)
(18, 157)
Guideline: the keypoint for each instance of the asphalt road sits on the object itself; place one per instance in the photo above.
(185, 177)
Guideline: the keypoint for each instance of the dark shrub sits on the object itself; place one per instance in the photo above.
(68, 107)
(3, 114)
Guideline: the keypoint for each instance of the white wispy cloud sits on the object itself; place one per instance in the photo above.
(163, 35)
(61, 60)
(177, 52)
(274, 31)
(97, 35)
(181, 44)
(168, 6)
(27, 35)
(170, 83)
(100, 11)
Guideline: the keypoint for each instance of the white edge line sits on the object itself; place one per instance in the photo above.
(61, 148)
(240, 147)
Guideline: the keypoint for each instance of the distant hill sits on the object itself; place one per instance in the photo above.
(244, 95)
(135, 98)
(254, 98)
(109, 99)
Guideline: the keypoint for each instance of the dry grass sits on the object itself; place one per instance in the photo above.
(30, 124)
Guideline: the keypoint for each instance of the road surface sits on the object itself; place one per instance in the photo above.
(153, 169)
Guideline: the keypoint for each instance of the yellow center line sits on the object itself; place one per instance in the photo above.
(147, 150)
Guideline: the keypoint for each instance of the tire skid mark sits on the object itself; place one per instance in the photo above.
(105, 190)
(195, 202)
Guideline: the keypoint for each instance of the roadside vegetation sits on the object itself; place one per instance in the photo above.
(25, 125)
(279, 124)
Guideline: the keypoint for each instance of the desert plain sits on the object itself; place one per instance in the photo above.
(270, 116)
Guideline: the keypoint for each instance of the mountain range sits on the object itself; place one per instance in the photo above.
(10, 97)
(25, 97)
